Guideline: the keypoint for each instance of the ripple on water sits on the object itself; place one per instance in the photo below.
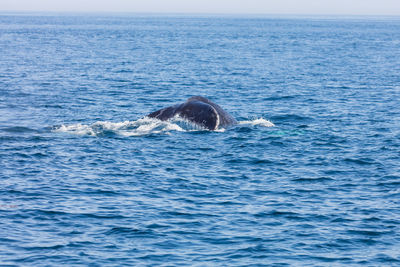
(309, 176)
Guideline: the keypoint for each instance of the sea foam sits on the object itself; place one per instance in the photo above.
(143, 126)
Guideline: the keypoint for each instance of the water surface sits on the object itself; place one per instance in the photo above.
(86, 180)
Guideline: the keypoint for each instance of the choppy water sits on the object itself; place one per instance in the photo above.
(85, 179)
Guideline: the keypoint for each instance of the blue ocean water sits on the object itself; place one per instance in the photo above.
(310, 175)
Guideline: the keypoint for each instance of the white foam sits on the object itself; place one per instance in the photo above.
(144, 126)
(75, 129)
(147, 126)
(260, 121)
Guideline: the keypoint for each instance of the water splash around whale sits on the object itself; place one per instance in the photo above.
(145, 126)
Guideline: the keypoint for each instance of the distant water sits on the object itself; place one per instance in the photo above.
(85, 179)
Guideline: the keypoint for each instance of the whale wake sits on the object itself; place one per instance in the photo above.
(144, 126)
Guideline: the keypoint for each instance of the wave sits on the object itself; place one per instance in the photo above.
(144, 126)
(260, 122)
(18, 129)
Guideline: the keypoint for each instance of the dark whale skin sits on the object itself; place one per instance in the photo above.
(198, 110)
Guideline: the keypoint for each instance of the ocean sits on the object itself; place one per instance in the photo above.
(310, 176)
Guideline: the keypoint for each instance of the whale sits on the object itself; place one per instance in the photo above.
(198, 110)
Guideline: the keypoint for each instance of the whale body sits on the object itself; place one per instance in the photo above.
(198, 110)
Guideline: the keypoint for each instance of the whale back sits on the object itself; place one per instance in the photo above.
(225, 119)
(199, 110)
(165, 113)
(200, 113)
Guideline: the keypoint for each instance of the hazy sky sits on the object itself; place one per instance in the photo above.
(345, 7)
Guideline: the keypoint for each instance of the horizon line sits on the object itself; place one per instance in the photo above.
(196, 13)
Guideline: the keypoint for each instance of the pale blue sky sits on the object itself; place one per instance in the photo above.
(334, 7)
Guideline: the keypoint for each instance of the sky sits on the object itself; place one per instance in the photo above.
(279, 7)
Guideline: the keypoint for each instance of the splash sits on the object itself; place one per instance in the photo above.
(142, 127)
(260, 122)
